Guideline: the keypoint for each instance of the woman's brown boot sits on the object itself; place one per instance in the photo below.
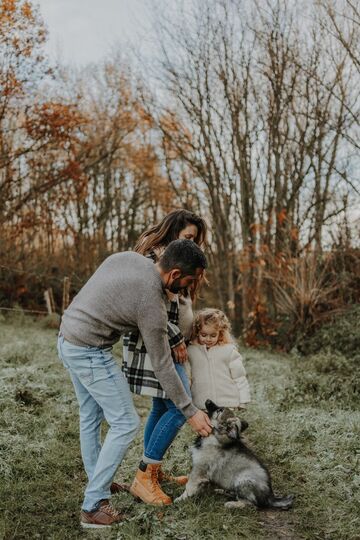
(146, 485)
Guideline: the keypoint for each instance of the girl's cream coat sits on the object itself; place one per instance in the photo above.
(218, 374)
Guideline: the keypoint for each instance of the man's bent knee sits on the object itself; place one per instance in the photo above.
(128, 424)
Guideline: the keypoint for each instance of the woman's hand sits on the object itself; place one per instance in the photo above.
(200, 423)
(180, 353)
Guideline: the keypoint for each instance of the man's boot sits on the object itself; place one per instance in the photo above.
(146, 485)
(104, 516)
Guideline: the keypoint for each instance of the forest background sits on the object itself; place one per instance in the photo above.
(248, 114)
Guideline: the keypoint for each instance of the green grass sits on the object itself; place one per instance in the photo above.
(303, 422)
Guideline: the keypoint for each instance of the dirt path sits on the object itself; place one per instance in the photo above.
(279, 525)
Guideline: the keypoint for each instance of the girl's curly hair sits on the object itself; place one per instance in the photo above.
(217, 318)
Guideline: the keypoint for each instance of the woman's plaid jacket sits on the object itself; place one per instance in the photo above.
(137, 366)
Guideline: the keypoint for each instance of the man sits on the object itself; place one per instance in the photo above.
(125, 293)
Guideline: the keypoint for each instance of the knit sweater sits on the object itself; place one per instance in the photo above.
(218, 374)
(186, 316)
(125, 293)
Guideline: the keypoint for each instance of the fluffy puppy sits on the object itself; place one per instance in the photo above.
(223, 459)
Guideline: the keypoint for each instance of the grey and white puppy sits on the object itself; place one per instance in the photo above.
(223, 459)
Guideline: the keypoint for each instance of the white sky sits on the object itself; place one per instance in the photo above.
(83, 31)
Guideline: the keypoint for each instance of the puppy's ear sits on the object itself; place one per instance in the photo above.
(244, 425)
(234, 429)
(210, 406)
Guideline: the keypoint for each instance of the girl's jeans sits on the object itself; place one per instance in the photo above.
(102, 392)
(164, 422)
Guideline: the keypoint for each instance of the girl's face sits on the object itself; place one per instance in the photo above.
(208, 335)
(189, 233)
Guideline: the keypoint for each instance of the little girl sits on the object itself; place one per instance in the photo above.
(217, 371)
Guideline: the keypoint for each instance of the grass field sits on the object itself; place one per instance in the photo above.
(304, 422)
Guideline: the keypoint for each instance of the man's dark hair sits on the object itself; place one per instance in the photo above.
(185, 255)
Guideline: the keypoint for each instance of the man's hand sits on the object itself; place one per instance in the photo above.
(180, 353)
(200, 423)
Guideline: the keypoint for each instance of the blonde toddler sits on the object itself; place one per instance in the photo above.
(217, 370)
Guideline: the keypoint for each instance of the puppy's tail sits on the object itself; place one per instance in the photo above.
(283, 503)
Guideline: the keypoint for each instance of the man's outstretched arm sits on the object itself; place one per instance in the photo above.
(152, 324)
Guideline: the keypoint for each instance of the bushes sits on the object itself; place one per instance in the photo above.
(50, 321)
(340, 335)
(298, 297)
(324, 379)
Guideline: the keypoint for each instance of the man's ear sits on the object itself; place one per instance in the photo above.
(175, 273)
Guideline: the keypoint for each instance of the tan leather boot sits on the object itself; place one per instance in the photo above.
(146, 485)
(179, 480)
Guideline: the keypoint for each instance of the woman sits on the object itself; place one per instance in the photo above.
(164, 420)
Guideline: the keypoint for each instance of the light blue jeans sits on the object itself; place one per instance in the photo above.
(102, 392)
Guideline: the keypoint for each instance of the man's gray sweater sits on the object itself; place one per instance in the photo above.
(126, 293)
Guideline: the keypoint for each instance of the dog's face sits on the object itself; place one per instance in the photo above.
(227, 426)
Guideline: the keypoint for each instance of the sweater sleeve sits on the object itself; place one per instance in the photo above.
(187, 366)
(152, 322)
(238, 373)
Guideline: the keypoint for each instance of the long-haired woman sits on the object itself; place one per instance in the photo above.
(164, 420)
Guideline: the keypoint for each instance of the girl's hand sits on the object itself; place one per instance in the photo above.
(180, 353)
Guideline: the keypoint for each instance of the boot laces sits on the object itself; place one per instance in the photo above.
(109, 509)
(154, 480)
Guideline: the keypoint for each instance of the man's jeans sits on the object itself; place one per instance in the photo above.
(102, 392)
(164, 422)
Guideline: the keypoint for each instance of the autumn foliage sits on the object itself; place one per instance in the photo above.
(258, 140)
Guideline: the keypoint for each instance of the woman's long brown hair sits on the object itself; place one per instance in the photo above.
(169, 228)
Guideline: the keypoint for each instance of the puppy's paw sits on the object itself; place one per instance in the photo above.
(180, 498)
(235, 504)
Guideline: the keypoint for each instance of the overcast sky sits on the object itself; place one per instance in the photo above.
(82, 31)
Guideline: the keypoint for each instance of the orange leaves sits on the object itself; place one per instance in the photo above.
(22, 35)
(11, 85)
(294, 234)
(27, 219)
(17, 17)
(21, 289)
(282, 216)
(256, 228)
(26, 10)
(260, 328)
(7, 8)
(55, 121)
(72, 170)
(170, 123)
(173, 130)
(146, 120)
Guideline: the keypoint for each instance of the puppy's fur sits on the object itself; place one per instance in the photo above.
(223, 459)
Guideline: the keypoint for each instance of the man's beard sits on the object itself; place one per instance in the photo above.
(175, 286)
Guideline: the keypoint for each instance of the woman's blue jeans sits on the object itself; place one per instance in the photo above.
(164, 422)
